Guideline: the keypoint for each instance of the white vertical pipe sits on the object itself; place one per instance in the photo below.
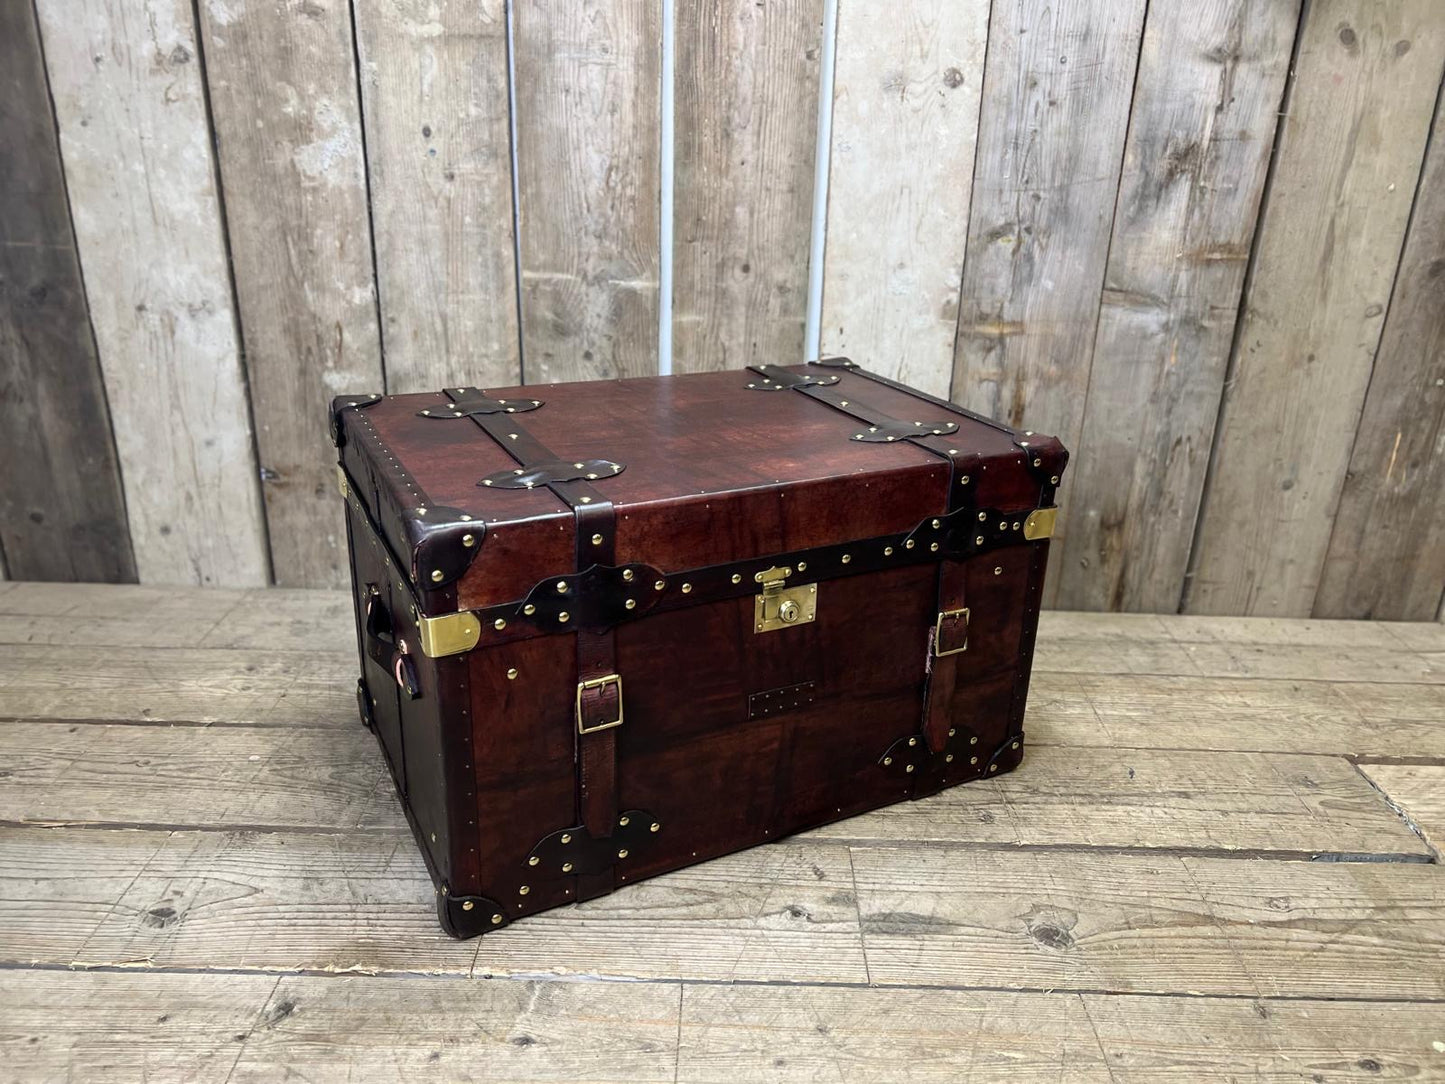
(664, 266)
(813, 332)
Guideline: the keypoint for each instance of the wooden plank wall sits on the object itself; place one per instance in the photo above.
(1201, 242)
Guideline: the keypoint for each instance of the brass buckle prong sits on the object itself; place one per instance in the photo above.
(938, 651)
(599, 683)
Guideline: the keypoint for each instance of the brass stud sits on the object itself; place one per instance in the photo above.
(909, 544)
(566, 867)
(433, 837)
(887, 761)
(523, 890)
(628, 575)
(597, 540)
(908, 768)
(887, 551)
(566, 837)
(659, 585)
(1054, 480)
(982, 516)
(737, 578)
(496, 920)
(486, 481)
(577, 466)
(1015, 745)
(654, 826)
(467, 905)
(1038, 462)
(512, 674)
(998, 571)
(631, 604)
(564, 617)
(624, 821)
(687, 589)
(437, 576)
(912, 741)
(561, 587)
(952, 731)
(963, 481)
(802, 566)
(529, 609)
(533, 860)
(591, 477)
(1024, 443)
(469, 540)
(1017, 526)
(973, 740)
(499, 624)
(936, 525)
(847, 558)
(973, 760)
(622, 853)
(1003, 526)
(948, 759)
(934, 547)
(993, 767)
(978, 540)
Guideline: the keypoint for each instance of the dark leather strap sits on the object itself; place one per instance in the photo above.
(597, 704)
(947, 644)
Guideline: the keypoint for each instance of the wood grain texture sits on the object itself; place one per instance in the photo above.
(906, 91)
(1056, 99)
(284, 104)
(1200, 133)
(1359, 112)
(1151, 924)
(588, 113)
(1387, 545)
(434, 87)
(1419, 792)
(1138, 798)
(63, 516)
(747, 96)
(131, 106)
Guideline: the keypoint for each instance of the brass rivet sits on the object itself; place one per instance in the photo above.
(592, 477)
(948, 759)
(982, 516)
(973, 760)
(499, 624)
(952, 731)
(993, 767)
(936, 525)
(1038, 462)
(597, 540)
(1024, 443)
(467, 905)
(846, 558)
(963, 481)
(529, 609)
(887, 761)
(1054, 480)
(496, 920)
(486, 481)
(887, 551)
(737, 578)
(578, 466)
(998, 572)
(437, 576)
(523, 890)
(533, 860)
(654, 826)
(978, 540)
(628, 575)
(566, 867)
(564, 617)
(912, 741)
(469, 540)
(512, 674)
(1003, 526)
(421, 511)
(624, 821)
(934, 547)
(433, 837)
(631, 604)
(622, 853)
(561, 587)
(802, 566)
(909, 768)
(687, 588)
(1015, 745)
(1017, 526)
(566, 837)
(908, 545)
(658, 586)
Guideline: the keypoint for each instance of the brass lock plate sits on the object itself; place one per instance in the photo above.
(780, 607)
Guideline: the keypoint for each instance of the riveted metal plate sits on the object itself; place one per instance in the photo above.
(773, 702)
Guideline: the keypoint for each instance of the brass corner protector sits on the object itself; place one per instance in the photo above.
(1040, 523)
(448, 634)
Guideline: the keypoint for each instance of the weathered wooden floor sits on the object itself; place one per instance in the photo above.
(1218, 861)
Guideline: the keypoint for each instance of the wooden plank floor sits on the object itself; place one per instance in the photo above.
(1219, 860)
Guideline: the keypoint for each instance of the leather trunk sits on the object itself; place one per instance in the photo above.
(609, 629)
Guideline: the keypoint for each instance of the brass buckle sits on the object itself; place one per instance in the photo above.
(938, 651)
(599, 683)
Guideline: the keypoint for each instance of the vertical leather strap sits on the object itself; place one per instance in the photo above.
(597, 705)
(947, 644)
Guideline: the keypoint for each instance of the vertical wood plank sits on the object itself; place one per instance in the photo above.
(588, 120)
(62, 516)
(906, 92)
(1348, 160)
(136, 145)
(1211, 75)
(747, 96)
(1056, 97)
(1387, 547)
(438, 144)
(284, 102)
